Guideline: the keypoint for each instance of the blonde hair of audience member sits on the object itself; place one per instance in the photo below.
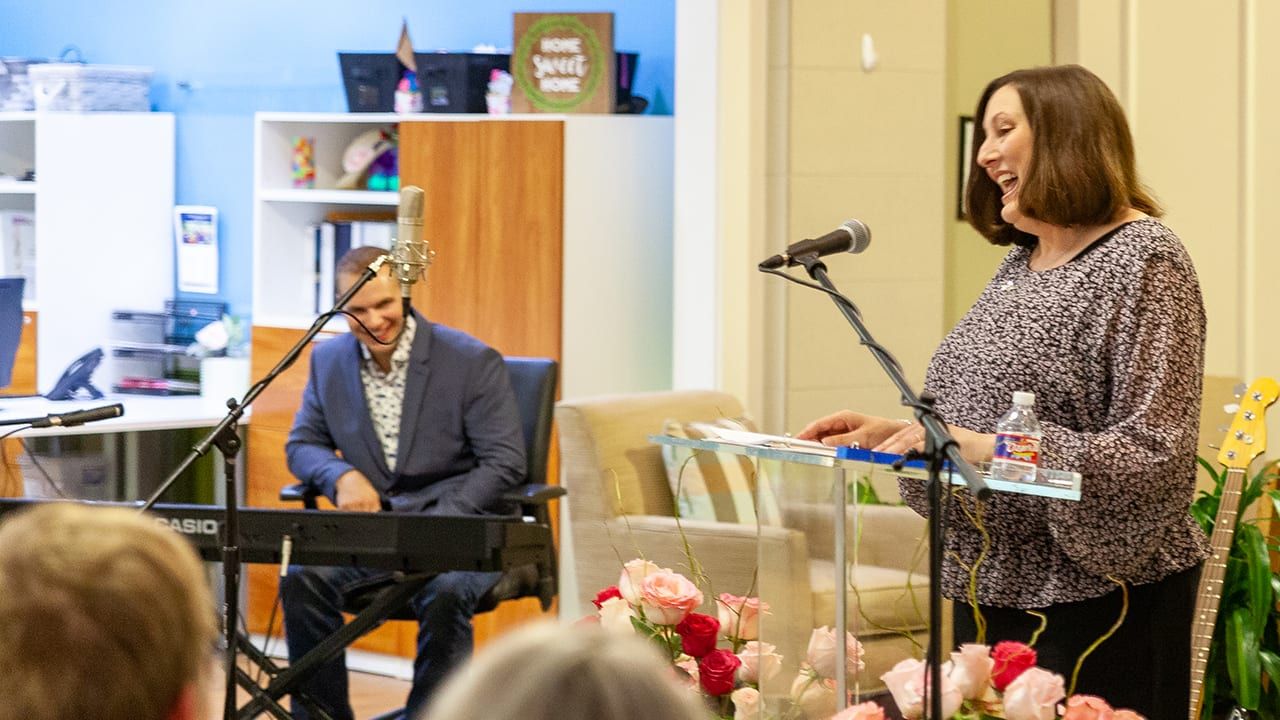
(104, 614)
(559, 672)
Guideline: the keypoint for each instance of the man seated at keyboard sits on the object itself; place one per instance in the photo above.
(401, 414)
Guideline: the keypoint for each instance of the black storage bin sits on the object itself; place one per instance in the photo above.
(450, 82)
(457, 82)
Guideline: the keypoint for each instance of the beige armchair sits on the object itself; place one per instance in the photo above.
(621, 506)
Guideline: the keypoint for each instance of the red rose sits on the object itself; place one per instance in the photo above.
(1011, 660)
(717, 670)
(698, 634)
(610, 592)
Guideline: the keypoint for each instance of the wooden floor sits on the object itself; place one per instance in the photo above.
(370, 695)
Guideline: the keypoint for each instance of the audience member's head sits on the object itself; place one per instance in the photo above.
(104, 614)
(557, 672)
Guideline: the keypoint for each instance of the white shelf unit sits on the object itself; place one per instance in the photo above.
(102, 199)
(617, 243)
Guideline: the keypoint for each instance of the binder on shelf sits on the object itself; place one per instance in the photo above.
(332, 240)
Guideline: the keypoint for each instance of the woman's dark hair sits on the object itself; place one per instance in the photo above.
(1082, 169)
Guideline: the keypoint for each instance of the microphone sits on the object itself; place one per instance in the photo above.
(410, 254)
(79, 417)
(852, 237)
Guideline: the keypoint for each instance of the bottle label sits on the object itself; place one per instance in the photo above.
(1017, 447)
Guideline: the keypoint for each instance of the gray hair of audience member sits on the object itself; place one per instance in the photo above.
(548, 671)
(104, 614)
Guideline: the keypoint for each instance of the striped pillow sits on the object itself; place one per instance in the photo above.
(717, 486)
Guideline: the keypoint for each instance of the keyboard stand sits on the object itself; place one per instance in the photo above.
(284, 680)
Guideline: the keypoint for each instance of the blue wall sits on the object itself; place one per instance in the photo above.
(219, 62)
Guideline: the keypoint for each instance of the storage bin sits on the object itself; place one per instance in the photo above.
(81, 88)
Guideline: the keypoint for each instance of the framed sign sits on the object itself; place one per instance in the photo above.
(563, 63)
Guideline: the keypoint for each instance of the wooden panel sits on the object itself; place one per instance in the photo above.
(10, 472)
(277, 405)
(23, 381)
(494, 214)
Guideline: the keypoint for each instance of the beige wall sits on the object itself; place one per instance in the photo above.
(865, 144)
(987, 38)
(1197, 80)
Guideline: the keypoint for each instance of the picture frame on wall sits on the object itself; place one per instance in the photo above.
(965, 145)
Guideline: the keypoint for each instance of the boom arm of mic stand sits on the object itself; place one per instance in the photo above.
(224, 436)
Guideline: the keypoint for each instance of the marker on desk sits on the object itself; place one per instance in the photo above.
(79, 417)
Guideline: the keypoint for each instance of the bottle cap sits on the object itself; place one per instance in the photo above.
(1022, 397)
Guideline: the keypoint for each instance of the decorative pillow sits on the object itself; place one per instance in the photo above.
(717, 486)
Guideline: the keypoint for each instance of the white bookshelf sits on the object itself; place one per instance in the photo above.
(102, 199)
(617, 194)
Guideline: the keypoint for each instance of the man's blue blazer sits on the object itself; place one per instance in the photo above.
(460, 444)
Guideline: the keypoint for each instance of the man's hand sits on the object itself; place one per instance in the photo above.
(356, 493)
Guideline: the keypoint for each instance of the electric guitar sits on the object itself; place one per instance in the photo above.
(1246, 439)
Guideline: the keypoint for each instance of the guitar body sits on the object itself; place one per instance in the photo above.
(1246, 439)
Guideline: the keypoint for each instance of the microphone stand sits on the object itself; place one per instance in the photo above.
(939, 448)
(227, 440)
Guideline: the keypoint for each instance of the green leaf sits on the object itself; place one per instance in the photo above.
(1204, 515)
(1243, 664)
(1213, 473)
(1253, 549)
(1254, 489)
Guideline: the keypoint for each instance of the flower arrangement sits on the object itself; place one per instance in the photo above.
(659, 604)
(979, 682)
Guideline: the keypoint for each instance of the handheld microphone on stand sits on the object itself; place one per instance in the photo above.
(70, 419)
(411, 253)
(853, 236)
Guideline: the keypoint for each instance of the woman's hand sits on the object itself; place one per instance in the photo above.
(850, 428)
(975, 447)
(892, 436)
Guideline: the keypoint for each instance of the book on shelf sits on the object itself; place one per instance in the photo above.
(332, 240)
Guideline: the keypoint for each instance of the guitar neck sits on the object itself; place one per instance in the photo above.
(1209, 591)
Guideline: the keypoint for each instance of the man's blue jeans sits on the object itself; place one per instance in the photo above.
(312, 600)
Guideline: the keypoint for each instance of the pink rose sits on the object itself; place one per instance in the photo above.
(866, 711)
(822, 658)
(698, 634)
(615, 616)
(1087, 707)
(971, 670)
(668, 597)
(716, 672)
(1127, 715)
(633, 575)
(1033, 695)
(906, 682)
(610, 592)
(760, 663)
(1011, 659)
(746, 703)
(740, 616)
(814, 695)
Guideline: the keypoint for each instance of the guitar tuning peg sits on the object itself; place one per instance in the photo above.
(1240, 389)
(1231, 408)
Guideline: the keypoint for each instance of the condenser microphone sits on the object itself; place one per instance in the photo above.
(79, 417)
(852, 237)
(411, 254)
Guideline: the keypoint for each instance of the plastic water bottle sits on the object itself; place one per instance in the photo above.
(1017, 452)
